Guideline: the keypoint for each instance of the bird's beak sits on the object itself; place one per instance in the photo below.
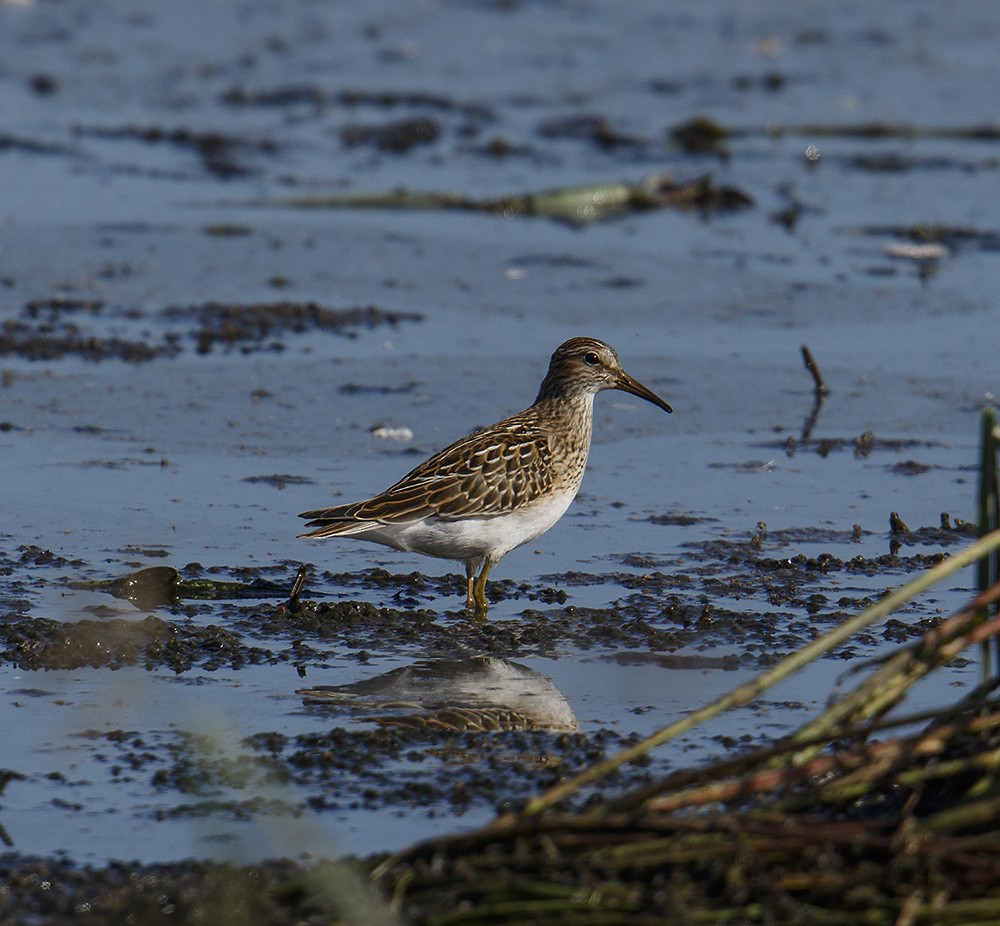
(627, 384)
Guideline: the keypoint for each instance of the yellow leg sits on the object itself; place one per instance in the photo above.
(470, 573)
(479, 588)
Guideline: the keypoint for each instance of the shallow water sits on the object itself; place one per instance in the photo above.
(120, 222)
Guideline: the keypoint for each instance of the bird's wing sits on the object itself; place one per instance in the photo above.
(474, 476)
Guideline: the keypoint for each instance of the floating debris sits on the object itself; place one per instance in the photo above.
(907, 251)
(383, 432)
(577, 205)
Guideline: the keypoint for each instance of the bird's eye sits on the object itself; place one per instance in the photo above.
(591, 359)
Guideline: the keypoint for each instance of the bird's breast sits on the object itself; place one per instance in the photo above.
(476, 537)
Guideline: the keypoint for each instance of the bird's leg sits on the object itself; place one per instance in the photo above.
(470, 573)
(479, 587)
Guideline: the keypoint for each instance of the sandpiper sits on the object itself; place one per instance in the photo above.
(501, 486)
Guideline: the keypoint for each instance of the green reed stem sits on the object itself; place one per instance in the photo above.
(989, 520)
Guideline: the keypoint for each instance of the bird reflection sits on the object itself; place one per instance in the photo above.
(481, 694)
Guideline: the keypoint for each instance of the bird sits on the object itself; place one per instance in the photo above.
(499, 487)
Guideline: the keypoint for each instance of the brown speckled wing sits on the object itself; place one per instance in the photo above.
(487, 473)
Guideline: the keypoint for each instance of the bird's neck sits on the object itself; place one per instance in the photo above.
(570, 420)
(558, 386)
(575, 406)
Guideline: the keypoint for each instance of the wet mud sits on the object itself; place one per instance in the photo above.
(59, 891)
(661, 610)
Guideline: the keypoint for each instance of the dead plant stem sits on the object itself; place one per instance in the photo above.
(751, 690)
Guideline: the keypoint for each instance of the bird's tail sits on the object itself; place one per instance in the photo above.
(333, 522)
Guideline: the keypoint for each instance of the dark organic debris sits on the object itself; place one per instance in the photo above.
(575, 205)
(789, 215)
(897, 525)
(948, 532)
(31, 146)
(43, 84)
(279, 480)
(771, 81)
(315, 96)
(500, 147)
(701, 135)
(51, 329)
(900, 163)
(359, 625)
(250, 325)
(677, 605)
(746, 466)
(819, 385)
(595, 129)
(39, 556)
(910, 468)
(408, 763)
(397, 137)
(882, 130)
(218, 151)
(227, 230)
(677, 519)
(132, 549)
(863, 445)
(371, 389)
(46, 342)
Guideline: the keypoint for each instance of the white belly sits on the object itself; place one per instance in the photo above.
(473, 538)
